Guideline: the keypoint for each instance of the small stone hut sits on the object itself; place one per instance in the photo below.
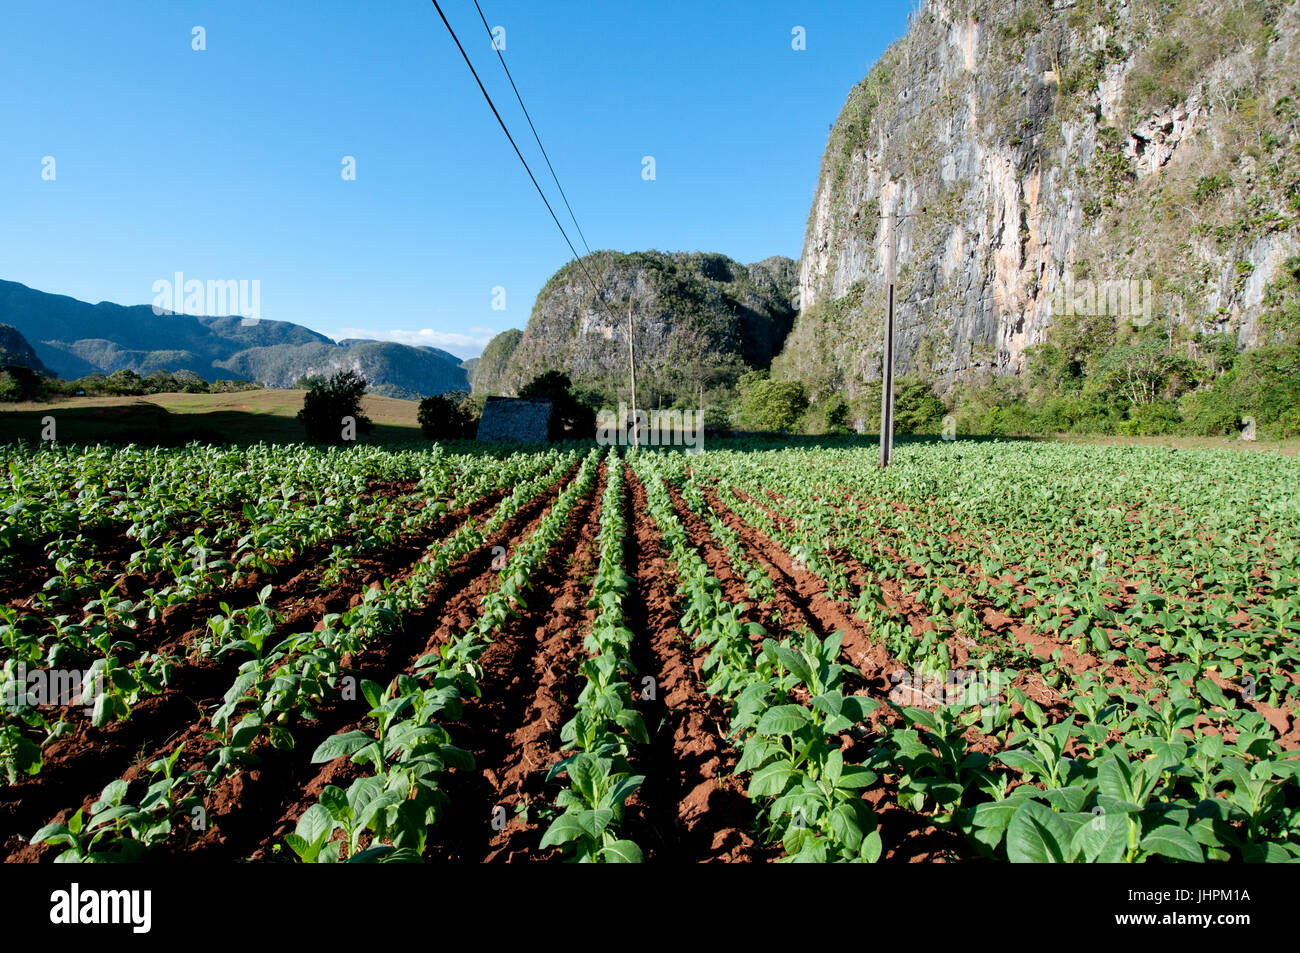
(512, 419)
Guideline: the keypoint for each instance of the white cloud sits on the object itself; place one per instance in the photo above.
(466, 345)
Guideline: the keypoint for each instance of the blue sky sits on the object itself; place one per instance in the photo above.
(225, 163)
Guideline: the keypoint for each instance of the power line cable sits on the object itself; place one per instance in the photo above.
(504, 129)
(600, 304)
(532, 127)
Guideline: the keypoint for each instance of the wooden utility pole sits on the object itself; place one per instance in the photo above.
(887, 375)
(631, 360)
(699, 421)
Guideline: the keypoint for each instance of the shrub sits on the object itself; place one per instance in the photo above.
(125, 382)
(1263, 384)
(1287, 425)
(20, 383)
(1073, 414)
(328, 402)
(1208, 186)
(916, 408)
(1208, 413)
(830, 415)
(1109, 172)
(1152, 419)
(10, 389)
(450, 416)
(766, 404)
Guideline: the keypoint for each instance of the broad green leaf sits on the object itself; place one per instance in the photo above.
(919, 716)
(1174, 843)
(339, 746)
(783, 720)
(1037, 835)
(315, 823)
(795, 664)
(1022, 760)
(594, 822)
(872, 846)
(335, 800)
(855, 776)
(1104, 839)
(563, 829)
(623, 852)
(845, 826)
(770, 781)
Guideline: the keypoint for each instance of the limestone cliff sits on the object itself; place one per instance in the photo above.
(1042, 153)
(698, 320)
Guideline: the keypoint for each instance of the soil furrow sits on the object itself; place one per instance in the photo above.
(455, 598)
(529, 684)
(691, 806)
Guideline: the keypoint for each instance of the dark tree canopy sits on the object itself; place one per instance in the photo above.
(450, 416)
(329, 402)
(570, 418)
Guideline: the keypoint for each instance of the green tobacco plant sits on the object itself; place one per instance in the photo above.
(407, 754)
(815, 804)
(593, 811)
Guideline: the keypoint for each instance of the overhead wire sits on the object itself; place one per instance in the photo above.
(529, 117)
(506, 130)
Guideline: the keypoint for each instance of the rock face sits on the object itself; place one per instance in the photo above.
(1031, 146)
(699, 320)
(491, 365)
(14, 350)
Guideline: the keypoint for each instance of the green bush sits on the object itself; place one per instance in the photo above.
(450, 416)
(830, 415)
(125, 382)
(1152, 419)
(10, 389)
(1075, 414)
(18, 382)
(1208, 186)
(1263, 384)
(328, 402)
(1287, 424)
(1209, 413)
(916, 408)
(1109, 172)
(766, 404)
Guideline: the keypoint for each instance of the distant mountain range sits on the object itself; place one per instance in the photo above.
(72, 339)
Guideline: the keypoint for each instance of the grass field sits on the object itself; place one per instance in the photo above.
(241, 419)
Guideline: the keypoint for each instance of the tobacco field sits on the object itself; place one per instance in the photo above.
(990, 651)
